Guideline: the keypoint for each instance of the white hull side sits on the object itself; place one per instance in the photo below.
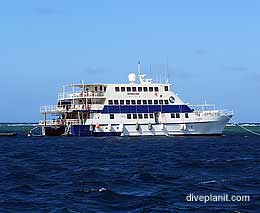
(193, 128)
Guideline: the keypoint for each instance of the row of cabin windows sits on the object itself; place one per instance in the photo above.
(138, 102)
(177, 115)
(141, 116)
(135, 116)
(101, 88)
(139, 89)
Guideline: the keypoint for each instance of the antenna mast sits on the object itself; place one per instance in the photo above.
(139, 67)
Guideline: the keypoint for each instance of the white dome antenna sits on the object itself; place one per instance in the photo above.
(132, 78)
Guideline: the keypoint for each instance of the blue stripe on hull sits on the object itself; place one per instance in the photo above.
(146, 109)
(83, 131)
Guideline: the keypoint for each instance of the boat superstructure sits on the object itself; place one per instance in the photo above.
(133, 109)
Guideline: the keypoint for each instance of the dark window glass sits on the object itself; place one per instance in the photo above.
(160, 101)
(145, 89)
(144, 101)
(100, 88)
(151, 115)
(140, 116)
(186, 115)
(112, 116)
(110, 102)
(139, 89)
(155, 101)
(122, 89)
(95, 88)
(166, 101)
(133, 89)
(150, 102)
(105, 89)
(177, 115)
(138, 101)
(134, 116)
(116, 102)
(128, 116)
(133, 102)
(117, 89)
(150, 89)
(156, 89)
(166, 88)
(128, 89)
(127, 102)
(172, 115)
(122, 102)
(145, 115)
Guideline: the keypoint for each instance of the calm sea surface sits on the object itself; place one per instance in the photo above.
(114, 174)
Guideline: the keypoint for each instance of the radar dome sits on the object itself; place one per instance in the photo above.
(132, 77)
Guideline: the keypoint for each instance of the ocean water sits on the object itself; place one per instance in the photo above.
(115, 174)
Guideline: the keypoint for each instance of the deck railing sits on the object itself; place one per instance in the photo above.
(59, 122)
(71, 95)
(60, 109)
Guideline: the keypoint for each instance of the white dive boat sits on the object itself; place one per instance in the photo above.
(132, 109)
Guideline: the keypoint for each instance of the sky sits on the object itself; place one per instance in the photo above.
(211, 49)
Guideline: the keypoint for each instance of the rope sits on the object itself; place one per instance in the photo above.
(248, 130)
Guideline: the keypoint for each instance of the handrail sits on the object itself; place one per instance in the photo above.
(72, 95)
(56, 108)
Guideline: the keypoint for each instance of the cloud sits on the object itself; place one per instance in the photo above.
(200, 51)
(47, 11)
(93, 70)
(235, 68)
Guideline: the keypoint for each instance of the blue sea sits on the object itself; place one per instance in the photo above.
(132, 174)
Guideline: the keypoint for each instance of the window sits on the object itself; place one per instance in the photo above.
(145, 115)
(151, 115)
(128, 116)
(116, 102)
(105, 89)
(100, 88)
(127, 102)
(134, 116)
(150, 89)
(128, 89)
(166, 101)
(117, 89)
(112, 116)
(139, 102)
(160, 101)
(122, 102)
(110, 102)
(144, 101)
(133, 89)
(172, 115)
(155, 101)
(133, 102)
(166, 88)
(145, 89)
(122, 89)
(177, 115)
(140, 89)
(140, 116)
(95, 89)
(156, 89)
(186, 115)
(150, 102)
